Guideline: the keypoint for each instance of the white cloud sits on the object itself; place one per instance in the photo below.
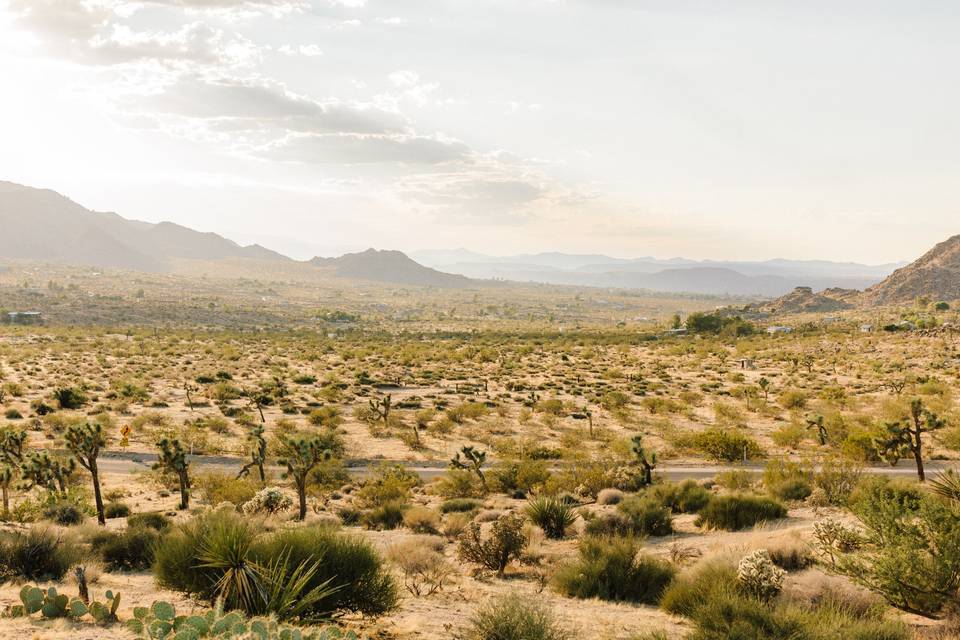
(353, 149)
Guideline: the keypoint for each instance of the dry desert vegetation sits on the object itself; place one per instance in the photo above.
(188, 456)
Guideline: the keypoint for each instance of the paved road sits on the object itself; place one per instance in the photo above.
(131, 462)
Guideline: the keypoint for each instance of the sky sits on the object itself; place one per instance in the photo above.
(747, 129)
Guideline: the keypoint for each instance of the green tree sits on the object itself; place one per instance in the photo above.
(173, 458)
(300, 454)
(646, 459)
(40, 469)
(473, 460)
(258, 452)
(85, 442)
(905, 436)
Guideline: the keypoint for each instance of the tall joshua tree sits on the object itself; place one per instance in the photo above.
(905, 436)
(258, 452)
(300, 455)
(85, 442)
(646, 459)
(173, 457)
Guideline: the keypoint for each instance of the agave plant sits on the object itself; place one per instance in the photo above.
(947, 485)
(285, 592)
(225, 553)
(553, 515)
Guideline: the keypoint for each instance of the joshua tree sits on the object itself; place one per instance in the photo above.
(765, 387)
(381, 409)
(906, 436)
(472, 460)
(11, 446)
(40, 469)
(173, 457)
(646, 460)
(258, 452)
(257, 398)
(817, 423)
(189, 389)
(85, 442)
(300, 455)
(6, 480)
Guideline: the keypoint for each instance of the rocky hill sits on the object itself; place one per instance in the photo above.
(935, 275)
(804, 300)
(42, 225)
(390, 266)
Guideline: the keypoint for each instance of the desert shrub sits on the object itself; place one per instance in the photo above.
(736, 479)
(65, 513)
(758, 576)
(217, 487)
(423, 566)
(838, 478)
(910, 551)
(686, 497)
(459, 484)
(736, 512)
(610, 496)
(458, 505)
(349, 515)
(128, 550)
(151, 520)
(721, 444)
(421, 520)
(177, 556)
(389, 483)
(388, 515)
(505, 543)
(790, 435)
(36, 555)
(116, 510)
(793, 399)
(787, 480)
(551, 514)
(512, 617)
(790, 553)
(612, 569)
(693, 588)
(349, 562)
(269, 500)
(647, 516)
(518, 475)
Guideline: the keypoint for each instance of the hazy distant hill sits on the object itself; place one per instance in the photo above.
(936, 274)
(768, 278)
(390, 266)
(42, 225)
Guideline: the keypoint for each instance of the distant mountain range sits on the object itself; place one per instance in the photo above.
(769, 278)
(38, 224)
(41, 225)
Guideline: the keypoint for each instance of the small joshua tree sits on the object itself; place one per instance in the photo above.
(258, 452)
(85, 442)
(173, 458)
(765, 387)
(816, 423)
(381, 409)
(906, 436)
(40, 469)
(646, 460)
(11, 446)
(472, 460)
(300, 455)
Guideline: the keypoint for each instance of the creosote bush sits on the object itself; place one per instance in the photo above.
(614, 569)
(36, 554)
(736, 512)
(512, 617)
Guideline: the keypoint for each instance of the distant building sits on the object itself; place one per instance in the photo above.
(24, 317)
(779, 329)
(866, 328)
(675, 332)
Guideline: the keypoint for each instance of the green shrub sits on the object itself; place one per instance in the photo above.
(788, 480)
(129, 550)
(116, 510)
(388, 483)
(65, 513)
(218, 486)
(721, 445)
(736, 512)
(518, 476)
(611, 569)
(505, 543)
(551, 514)
(513, 617)
(686, 497)
(349, 562)
(388, 515)
(647, 516)
(690, 590)
(457, 505)
(149, 520)
(36, 555)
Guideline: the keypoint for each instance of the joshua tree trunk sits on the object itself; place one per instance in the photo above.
(97, 498)
(184, 490)
(302, 496)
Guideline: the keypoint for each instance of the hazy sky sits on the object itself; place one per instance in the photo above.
(739, 129)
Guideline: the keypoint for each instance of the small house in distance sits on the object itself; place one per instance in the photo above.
(779, 329)
(24, 317)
